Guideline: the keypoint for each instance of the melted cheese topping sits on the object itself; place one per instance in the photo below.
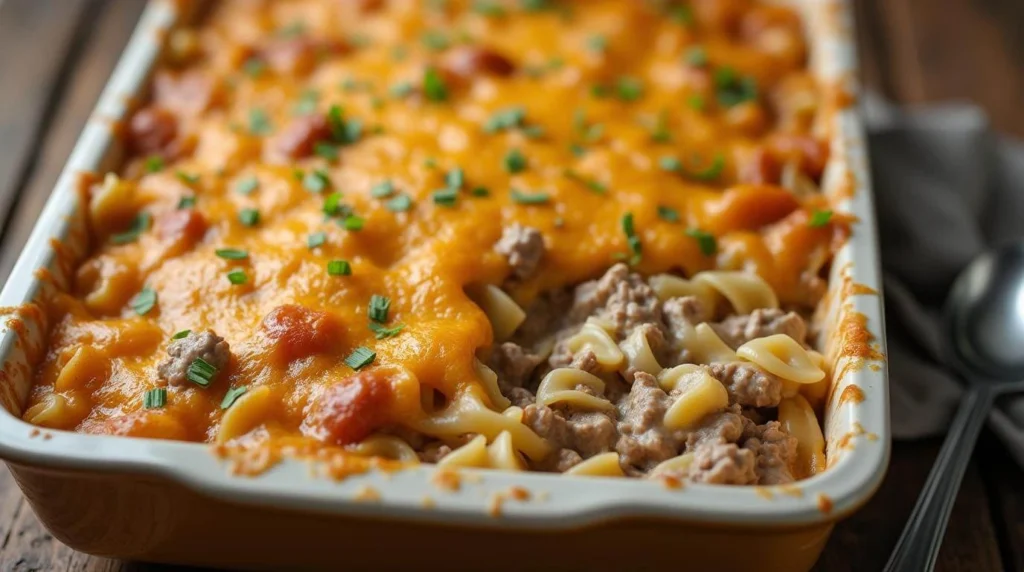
(697, 119)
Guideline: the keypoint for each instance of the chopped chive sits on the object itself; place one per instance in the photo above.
(629, 89)
(399, 204)
(696, 56)
(445, 197)
(231, 253)
(488, 8)
(382, 332)
(186, 202)
(140, 224)
(695, 101)
(400, 90)
(534, 5)
(339, 268)
(154, 164)
(711, 172)
(360, 358)
(316, 239)
(326, 150)
(508, 118)
(382, 190)
(187, 178)
(316, 181)
(433, 85)
(660, 132)
(455, 178)
(254, 67)
(154, 398)
(435, 40)
(635, 247)
(732, 89)
(232, 396)
(353, 223)
(259, 122)
(378, 308)
(668, 214)
(307, 102)
(533, 131)
(577, 150)
(681, 14)
(332, 204)
(293, 30)
(247, 186)
(705, 240)
(144, 301)
(524, 198)
(181, 334)
(515, 161)
(600, 91)
(670, 164)
(238, 277)
(201, 372)
(597, 43)
(592, 184)
(249, 217)
(820, 218)
(480, 192)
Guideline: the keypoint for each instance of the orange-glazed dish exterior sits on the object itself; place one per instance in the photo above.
(325, 187)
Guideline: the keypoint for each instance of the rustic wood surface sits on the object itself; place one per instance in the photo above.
(55, 56)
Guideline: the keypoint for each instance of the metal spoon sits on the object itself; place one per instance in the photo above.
(984, 327)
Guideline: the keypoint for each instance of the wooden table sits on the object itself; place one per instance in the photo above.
(56, 55)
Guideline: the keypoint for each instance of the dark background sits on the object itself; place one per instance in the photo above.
(56, 55)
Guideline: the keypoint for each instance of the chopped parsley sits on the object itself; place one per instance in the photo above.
(515, 161)
(399, 204)
(681, 14)
(249, 217)
(181, 334)
(705, 240)
(508, 118)
(635, 247)
(360, 358)
(733, 89)
(316, 181)
(247, 186)
(671, 164)
(326, 150)
(238, 277)
(316, 239)
(339, 268)
(525, 198)
(711, 172)
(344, 132)
(378, 308)
(154, 164)
(140, 224)
(592, 184)
(629, 89)
(144, 301)
(231, 253)
(307, 103)
(433, 85)
(382, 190)
(668, 214)
(201, 372)
(259, 122)
(820, 218)
(154, 398)
(186, 202)
(232, 396)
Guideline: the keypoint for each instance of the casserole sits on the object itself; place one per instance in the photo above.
(855, 413)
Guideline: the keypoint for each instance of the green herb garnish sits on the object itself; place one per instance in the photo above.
(232, 396)
(525, 198)
(360, 358)
(259, 122)
(154, 398)
(144, 301)
(201, 372)
(249, 217)
(378, 308)
(445, 197)
(629, 89)
(181, 334)
(339, 268)
(515, 161)
(316, 181)
(154, 164)
(353, 223)
(140, 224)
(635, 247)
(696, 56)
(433, 85)
(399, 204)
(592, 184)
(732, 89)
(508, 118)
(247, 186)
(382, 190)
(316, 239)
(705, 240)
(238, 277)
(186, 202)
(820, 218)
(668, 214)
(382, 332)
(231, 253)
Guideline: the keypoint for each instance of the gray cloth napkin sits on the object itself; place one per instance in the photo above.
(946, 188)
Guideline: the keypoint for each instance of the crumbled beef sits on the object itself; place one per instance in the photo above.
(724, 427)
(775, 451)
(644, 440)
(738, 330)
(513, 364)
(543, 317)
(620, 296)
(748, 384)
(723, 464)
(434, 452)
(520, 397)
(586, 361)
(586, 433)
(153, 130)
(181, 353)
(523, 246)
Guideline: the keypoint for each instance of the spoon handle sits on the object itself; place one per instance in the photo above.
(918, 546)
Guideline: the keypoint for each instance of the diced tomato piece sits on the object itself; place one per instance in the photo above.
(350, 410)
(299, 137)
(185, 225)
(152, 130)
(467, 62)
(299, 332)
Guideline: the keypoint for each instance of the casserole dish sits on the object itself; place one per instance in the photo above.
(92, 490)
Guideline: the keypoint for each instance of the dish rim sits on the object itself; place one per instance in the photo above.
(570, 501)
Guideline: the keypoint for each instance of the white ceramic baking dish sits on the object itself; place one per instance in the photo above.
(177, 502)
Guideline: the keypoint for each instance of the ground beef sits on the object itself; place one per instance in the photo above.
(644, 440)
(520, 397)
(725, 427)
(513, 364)
(622, 297)
(680, 316)
(181, 353)
(585, 433)
(748, 384)
(544, 317)
(723, 464)
(775, 451)
(738, 330)
(434, 452)
(523, 246)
